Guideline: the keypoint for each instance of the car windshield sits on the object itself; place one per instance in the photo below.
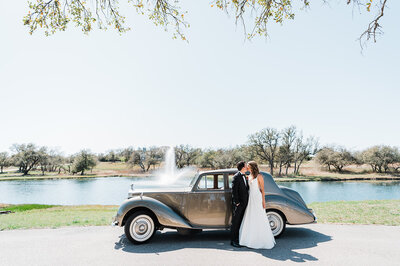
(182, 178)
(193, 181)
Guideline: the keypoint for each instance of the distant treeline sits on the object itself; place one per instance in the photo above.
(282, 150)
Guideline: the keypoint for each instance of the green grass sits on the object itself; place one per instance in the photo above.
(383, 212)
(26, 207)
(56, 216)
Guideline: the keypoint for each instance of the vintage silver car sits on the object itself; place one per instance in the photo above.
(204, 204)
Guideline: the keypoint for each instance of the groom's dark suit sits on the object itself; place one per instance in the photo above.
(240, 197)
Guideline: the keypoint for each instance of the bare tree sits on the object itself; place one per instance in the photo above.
(303, 149)
(265, 145)
(286, 149)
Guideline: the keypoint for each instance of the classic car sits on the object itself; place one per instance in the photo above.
(204, 204)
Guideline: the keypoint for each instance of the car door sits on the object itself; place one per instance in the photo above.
(209, 202)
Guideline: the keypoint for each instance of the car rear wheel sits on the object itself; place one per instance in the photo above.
(277, 222)
(140, 227)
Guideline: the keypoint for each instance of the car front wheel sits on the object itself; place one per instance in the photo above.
(277, 222)
(140, 227)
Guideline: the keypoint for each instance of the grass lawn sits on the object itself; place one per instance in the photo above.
(384, 212)
(47, 216)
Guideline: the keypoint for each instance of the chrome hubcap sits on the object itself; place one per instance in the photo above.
(142, 227)
(275, 222)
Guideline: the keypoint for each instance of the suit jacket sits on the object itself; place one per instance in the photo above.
(240, 190)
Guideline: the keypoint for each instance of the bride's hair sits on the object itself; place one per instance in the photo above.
(253, 168)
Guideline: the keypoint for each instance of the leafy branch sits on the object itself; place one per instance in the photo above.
(54, 15)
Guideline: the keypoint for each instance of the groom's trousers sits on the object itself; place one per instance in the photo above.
(237, 217)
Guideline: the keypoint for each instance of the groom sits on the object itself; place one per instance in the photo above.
(240, 197)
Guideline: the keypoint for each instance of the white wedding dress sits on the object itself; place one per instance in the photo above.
(255, 231)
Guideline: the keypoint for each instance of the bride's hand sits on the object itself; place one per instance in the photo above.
(264, 205)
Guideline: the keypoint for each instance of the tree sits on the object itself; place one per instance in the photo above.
(83, 161)
(303, 150)
(145, 158)
(126, 154)
(207, 159)
(285, 152)
(51, 161)
(265, 145)
(186, 155)
(338, 157)
(4, 161)
(324, 157)
(381, 157)
(27, 156)
(55, 15)
(44, 160)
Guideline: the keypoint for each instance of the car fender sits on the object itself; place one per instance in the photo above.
(295, 213)
(165, 215)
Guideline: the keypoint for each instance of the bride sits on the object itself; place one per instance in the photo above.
(255, 231)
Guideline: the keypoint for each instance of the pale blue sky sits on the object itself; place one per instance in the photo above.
(106, 91)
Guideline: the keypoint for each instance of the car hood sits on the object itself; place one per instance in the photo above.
(136, 192)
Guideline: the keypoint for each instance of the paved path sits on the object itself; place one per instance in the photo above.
(314, 244)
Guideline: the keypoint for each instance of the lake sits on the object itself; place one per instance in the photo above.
(113, 190)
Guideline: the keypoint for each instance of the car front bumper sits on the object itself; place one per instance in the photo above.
(115, 221)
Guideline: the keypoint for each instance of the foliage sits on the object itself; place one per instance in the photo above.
(83, 161)
(55, 15)
(145, 158)
(186, 155)
(380, 158)
(27, 156)
(338, 157)
(4, 161)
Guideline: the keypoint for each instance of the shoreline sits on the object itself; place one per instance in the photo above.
(277, 179)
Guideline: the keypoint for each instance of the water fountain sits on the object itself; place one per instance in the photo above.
(170, 174)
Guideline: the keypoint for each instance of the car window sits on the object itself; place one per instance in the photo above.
(230, 179)
(211, 182)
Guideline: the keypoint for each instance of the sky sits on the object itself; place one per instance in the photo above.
(105, 91)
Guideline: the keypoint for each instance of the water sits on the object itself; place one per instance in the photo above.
(113, 190)
(332, 191)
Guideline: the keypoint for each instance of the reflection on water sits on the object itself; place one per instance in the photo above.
(114, 190)
(330, 191)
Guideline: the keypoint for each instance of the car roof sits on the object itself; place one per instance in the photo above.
(219, 171)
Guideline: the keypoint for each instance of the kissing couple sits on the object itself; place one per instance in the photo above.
(249, 220)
